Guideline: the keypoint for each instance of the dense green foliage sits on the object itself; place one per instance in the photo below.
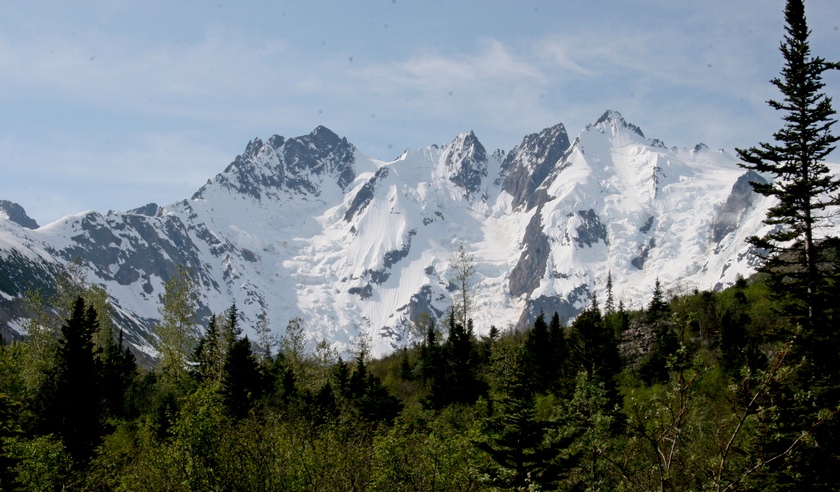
(552, 408)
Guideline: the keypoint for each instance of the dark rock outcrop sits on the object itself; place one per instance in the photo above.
(17, 214)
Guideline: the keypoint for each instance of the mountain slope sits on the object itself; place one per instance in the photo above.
(310, 227)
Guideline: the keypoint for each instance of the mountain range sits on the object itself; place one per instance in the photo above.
(309, 227)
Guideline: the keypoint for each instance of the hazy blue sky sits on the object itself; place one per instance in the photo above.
(115, 103)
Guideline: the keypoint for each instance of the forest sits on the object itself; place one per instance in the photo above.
(700, 391)
(731, 390)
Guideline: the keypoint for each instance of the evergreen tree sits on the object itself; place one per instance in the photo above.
(230, 329)
(242, 382)
(657, 308)
(803, 184)
(609, 304)
(453, 369)
(799, 262)
(119, 371)
(341, 376)
(462, 364)
(654, 367)
(737, 348)
(358, 379)
(406, 370)
(596, 350)
(324, 405)
(517, 441)
(367, 394)
(71, 394)
(431, 359)
(563, 372)
(539, 356)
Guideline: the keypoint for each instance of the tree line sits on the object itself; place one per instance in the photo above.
(678, 396)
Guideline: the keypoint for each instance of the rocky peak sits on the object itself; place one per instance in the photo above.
(297, 165)
(149, 210)
(526, 166)
(320, 153)
(614, 121)
(253, 148)
(15, 213)
(465, 162)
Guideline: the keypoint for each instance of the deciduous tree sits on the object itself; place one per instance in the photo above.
(176, 330)
(463, 269)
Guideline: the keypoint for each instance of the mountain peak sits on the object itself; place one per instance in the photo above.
(615, 119)
(307, 226)
(526, 166)
(466, 137)
(323, 135)
(465, 162)
(297, 165)
(15, 213)
(253, 148)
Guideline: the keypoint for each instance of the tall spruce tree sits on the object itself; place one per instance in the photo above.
(798, 263)
(71, 394)
(231, 329)
(119, 371)
(609, 304)
(242, 381)
(562, 368)
(803, 185)
(657, 308)
(539, 356)
(595, 349)
(516, 440)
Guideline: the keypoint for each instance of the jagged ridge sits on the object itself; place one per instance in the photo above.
(311, 227)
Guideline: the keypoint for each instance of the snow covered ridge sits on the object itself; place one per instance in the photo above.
(310, 227)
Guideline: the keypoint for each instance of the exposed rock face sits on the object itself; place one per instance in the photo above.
(635, 343)
(365, 194)
(741, 198)
(590, 229)
(297, 165)
(14, 212)
(530, 269)
(149, 210)
(527, 166)
(465, 162)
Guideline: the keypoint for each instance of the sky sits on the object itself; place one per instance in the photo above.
(112, 104)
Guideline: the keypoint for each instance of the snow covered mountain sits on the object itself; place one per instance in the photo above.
(310, 227)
